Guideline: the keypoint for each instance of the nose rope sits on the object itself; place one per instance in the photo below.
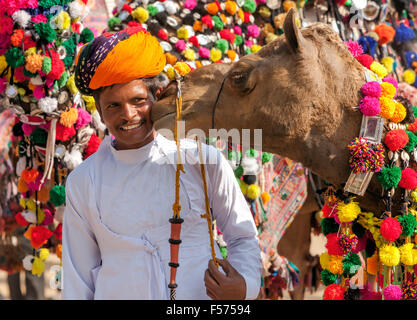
(176, 220)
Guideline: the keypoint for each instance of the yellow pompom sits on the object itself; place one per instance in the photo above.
(287, 5)
(324, 260)
(400, 113)
(389, 255)
(171, 73)
(40, 216)
(182, 68)
(30, 51)
(43, 254)
(21, 91)
(414, 195)
(336, 265)
(388, 90)
(244, 188)
(379, 69)
(255, 48)
(182, 33)
(253, 191)
(90, 103)
(270, 37)
(31, 205)
(63, 20)
(408, 254)
(71, 85)
(388, 63)
(387, 107)
(140, 14)
(265, 197)
(189, 54)
(22, 203)
(409, 76)
(215, 54)
(348, 212)
(69, 117)
(3, 63)
(37, 267)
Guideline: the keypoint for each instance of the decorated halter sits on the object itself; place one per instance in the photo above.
(176, 220)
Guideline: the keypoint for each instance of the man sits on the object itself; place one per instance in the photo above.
(119, 201)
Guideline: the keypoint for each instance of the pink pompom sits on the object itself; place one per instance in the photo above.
(361, 245)
(391, 80)
(248, 43)
(190, 4)
(36, 185)
(39, 92)
(354, 48)
(391, 229)
(49, 218)
(28, 129)
(180, 45)
(333, 246)
(237, 30)
(372, 88)
(408, 179)
(369, 106)
(368, 294)
(204, 53)
(39, 18)
(392, 292)
(396, 139)
(334, 292)
(84, 118)
(253, 31)
(3, 84)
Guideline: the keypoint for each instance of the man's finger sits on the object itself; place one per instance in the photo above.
(226, 266)
(210, 281)
(215, 273)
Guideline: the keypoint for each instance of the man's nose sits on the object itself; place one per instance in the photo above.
(128, 111)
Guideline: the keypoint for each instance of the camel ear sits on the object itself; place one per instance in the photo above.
(293, 35)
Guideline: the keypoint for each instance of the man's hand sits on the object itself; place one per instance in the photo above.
(229, 286)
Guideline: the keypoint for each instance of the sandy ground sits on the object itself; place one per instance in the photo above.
(317, 247)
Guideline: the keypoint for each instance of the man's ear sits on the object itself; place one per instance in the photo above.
(158, 93)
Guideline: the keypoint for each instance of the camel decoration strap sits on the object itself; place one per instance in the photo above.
(176, 220)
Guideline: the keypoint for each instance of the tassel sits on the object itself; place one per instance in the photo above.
(50, 152)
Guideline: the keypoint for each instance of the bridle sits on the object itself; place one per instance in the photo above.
(217, 99)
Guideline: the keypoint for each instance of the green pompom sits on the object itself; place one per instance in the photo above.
(358, 229)
(266, 157)
(69, 46)
(45, 32)
(249, 6)
(152, 10)
(329, 225)
(251, 153)
(414, 111)
(327, 277)
(370, 248)
(39, 137)
(68, 60)
(238, 40)
(231, 155)
(113, 21)
(86, 35)
(389, 177)
(351, 264)
(408, 224)
(57, 196)
(223, 251)
(412, 141)
(48, 3)
(348, 3)
(62, 81)
(222, 45)
(28, 74)
(247, 51)
(239, 171)
(15, 57)
(46, 65)
(218, 23)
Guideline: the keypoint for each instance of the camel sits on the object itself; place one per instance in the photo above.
(302, 89)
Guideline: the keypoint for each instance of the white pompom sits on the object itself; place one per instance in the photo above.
(27, 262)
(170, 7)
(22, 18)
(48, 104)
(250, 166)
(73, 159)
(97, 121)
(29, 216)
(20, 166)
(37, 81)
(75, 9)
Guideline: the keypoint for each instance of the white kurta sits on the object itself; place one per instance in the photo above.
(116, 223)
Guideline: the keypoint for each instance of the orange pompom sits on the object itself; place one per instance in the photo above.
(265, 197)
(69, 118)
(198, 26)
(231, 54)
(59, 251)
(29, 175)
(198, 64)
(212, 8)
(22, 186)
(223, 18)
(43, 194)
(34, 62)
(231, 7)
(171, 59)
(385, 33)
(372, 264)
(17, 37)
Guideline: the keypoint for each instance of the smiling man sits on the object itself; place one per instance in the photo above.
(119, 201)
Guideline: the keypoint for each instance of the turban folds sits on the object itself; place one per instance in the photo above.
(120, 57)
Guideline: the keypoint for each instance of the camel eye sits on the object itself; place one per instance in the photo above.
(239, 78)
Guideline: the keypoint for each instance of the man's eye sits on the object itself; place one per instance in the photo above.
(139, 100)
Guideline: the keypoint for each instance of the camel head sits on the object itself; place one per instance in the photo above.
(300, 89)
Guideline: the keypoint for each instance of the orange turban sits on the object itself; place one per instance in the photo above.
(121, 57)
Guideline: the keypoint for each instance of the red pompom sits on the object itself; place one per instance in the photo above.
(413, 127)
(194, 41)
(333, 245)
(227, 35)
(396, 139)
(207, 20)
(39, 236)
(58, 232)
(63, 133)
(92, 146)
(162, 34)
(365, 60)
(21, 221)
(58, 66)
(408, 179)
(385, 33)
(334, 292)
(329, 210)
(134, 24)
(391, 229)
(127, 8)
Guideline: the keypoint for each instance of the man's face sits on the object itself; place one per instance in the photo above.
(125, 110)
